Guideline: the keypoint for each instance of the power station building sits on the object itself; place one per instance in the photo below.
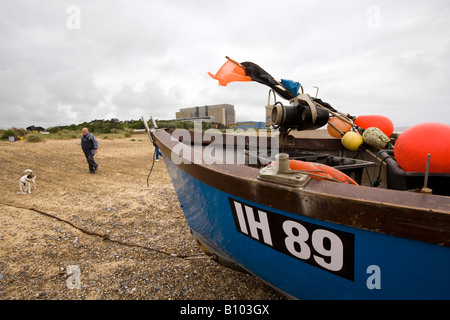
(220, 113)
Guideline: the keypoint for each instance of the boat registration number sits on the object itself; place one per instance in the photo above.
(322, 247)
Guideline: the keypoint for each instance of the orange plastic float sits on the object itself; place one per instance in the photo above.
(321, 171)
(414, 145)
(339, 124)
(383, 123)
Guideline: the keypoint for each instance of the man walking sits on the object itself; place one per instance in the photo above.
(89, 145)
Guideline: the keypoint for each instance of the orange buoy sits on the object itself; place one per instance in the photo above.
(339, 124)
(321, 171)
(414, 145)
(381, 122)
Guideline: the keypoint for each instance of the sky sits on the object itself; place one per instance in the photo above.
(67, 62)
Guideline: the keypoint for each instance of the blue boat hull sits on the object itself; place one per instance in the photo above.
(307, 258)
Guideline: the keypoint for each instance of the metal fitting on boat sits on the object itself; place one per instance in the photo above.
(280, 172)
(282, 161)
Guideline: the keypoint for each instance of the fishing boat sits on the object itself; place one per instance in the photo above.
(311, 216)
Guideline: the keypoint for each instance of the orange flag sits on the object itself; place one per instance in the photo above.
(230, 71)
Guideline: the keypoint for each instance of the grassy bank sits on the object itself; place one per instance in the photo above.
(105, 129)
(34, 137)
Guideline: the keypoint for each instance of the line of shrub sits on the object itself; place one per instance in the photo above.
(113, 127)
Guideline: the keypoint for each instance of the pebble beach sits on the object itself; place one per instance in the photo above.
(118, 234)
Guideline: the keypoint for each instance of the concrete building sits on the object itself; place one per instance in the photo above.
(221, 113)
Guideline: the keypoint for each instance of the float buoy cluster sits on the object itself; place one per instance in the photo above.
(374, 130)
(411, 148)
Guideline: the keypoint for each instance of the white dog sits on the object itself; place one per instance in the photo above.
(26, 181)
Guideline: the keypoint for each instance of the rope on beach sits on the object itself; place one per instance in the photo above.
(106, 237)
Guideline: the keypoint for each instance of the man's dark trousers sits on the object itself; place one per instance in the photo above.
(90, 160)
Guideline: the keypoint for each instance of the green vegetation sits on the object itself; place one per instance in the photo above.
(101, 126)
(14, 132)
(105, 129)
(34, 137)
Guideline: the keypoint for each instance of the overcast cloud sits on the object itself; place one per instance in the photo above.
(65, 62)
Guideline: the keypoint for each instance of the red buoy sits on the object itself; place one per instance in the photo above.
(381, 122)
(414, 145)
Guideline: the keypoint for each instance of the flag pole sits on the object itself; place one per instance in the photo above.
(235, 62)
